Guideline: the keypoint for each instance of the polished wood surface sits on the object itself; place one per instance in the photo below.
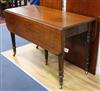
(40, 15)
(88, 8)
(84, 7)
(47, 28)
(49, 17)
(55, 4)
(73, 6)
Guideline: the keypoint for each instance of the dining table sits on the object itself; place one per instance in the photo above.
(49, 28)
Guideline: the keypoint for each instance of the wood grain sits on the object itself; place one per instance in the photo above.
(48, 16)
(38, 21)
(47, 28)
(88, 8)
(84, 7)
(55, 4)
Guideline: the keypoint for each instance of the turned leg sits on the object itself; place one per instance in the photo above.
(46, 56)
(13, 43)
(87, 60)
(61, 69)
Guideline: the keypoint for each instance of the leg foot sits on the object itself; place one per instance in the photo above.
(13, 43)
(60, 86)
(86, 66)
(37, 47)
(86, 72)
(46, 56)
(61, 70)
(14, 50)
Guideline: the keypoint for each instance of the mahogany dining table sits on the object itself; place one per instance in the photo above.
(48, 28)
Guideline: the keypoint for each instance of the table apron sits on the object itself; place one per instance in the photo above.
(40, 34)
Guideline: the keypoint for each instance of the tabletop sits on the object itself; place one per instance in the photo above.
(51, 17)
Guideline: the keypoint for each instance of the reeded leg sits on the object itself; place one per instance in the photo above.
(87, 52)
(13, 43)
(46, 56)
(61, 69)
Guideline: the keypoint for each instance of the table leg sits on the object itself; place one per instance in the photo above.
(87, 51)
(61, 69)
(46, 56)
(13, 43)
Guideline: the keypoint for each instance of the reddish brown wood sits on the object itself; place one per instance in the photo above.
(73, 6)
(85, 7)
(89, 8)
(46, 27)
(98, 20)
(56, 4)
(61, 66)
(93, 8)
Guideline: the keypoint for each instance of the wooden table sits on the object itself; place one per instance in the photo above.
(48, 28)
